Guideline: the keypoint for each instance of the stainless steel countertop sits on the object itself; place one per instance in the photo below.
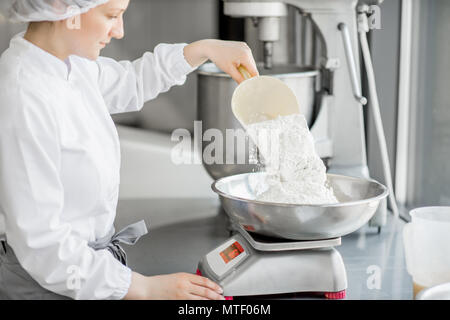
(181, 231)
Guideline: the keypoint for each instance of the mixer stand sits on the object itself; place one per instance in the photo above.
(250, 264)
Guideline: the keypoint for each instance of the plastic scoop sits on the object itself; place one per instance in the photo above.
(262, 98)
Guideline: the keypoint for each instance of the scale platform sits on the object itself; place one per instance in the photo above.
(249, 264)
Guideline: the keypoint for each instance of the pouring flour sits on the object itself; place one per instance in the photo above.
(269, 111)
(296, 174)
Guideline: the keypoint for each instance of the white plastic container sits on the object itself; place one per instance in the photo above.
(427, 246)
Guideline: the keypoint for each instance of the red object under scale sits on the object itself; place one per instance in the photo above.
(328, 295)
(335, 295)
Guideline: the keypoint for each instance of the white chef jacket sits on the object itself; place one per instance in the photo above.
(60, 158)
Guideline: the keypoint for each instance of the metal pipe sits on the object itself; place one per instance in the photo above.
(268, 54)
(351, 64)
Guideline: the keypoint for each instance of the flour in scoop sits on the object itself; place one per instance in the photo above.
(295, 173)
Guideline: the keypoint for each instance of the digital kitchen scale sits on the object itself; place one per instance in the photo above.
(250, 264)
(282, 248)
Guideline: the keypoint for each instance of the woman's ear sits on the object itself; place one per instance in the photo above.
(74, 23)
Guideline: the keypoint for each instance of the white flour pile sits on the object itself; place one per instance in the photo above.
(296, 174)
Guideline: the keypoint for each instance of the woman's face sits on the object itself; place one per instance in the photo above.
(94, 29)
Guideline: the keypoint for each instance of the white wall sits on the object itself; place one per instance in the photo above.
(148, 171)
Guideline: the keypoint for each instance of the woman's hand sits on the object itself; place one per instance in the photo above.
(227, 55)
(177, 286)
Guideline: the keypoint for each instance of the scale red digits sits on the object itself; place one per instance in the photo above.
(231, 252)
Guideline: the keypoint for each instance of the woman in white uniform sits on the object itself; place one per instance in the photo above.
(60, 157)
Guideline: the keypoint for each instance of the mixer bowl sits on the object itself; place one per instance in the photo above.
(358, 200)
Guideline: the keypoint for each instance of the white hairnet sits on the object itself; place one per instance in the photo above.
(46, 10)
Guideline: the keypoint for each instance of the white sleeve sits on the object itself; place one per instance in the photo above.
(126, 85)
(32, 200)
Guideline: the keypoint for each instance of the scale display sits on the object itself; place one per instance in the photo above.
(231, 252)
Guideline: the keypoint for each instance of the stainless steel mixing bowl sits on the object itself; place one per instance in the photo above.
(358, 200)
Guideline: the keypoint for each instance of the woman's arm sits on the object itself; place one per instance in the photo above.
(126, 86)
